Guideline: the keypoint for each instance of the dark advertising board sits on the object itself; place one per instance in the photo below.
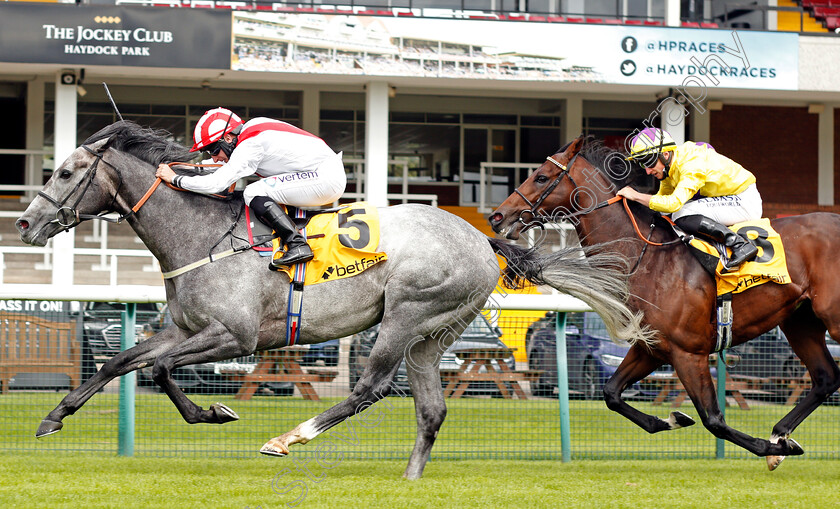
(109, 35)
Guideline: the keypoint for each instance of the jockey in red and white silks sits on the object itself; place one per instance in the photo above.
(296, 168)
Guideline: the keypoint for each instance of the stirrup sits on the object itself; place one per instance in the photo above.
(298, 254)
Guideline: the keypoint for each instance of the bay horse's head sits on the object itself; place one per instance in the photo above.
(87, 185)
(572, 182)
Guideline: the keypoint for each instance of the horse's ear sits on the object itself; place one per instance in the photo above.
(100, 145)
(576, 145)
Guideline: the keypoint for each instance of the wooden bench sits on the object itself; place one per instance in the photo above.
(498, 372)
(30, 344)
(282, 366)
(736, 385)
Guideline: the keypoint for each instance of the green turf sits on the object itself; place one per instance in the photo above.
(475, 428)
(87, 481)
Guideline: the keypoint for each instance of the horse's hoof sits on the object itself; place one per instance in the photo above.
(680, 420)
(48, 427)
(774, 461)
(793, 447)
(271, 450)
(223, 413)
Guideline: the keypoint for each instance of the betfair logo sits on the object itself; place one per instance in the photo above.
(340, 271)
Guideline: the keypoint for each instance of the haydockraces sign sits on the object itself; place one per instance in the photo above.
(107, 35)
(504, 50)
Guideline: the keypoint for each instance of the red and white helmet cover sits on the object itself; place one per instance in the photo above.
(212, 126)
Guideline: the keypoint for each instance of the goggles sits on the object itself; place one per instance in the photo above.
(647, 160)
(214, 148)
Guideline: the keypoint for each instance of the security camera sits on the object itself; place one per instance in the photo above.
(68, 78)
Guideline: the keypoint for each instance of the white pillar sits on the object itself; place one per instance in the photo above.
(572, 118)
(311, 111)
(34, 132)
(673, 118)
(825, 157)
(376, 144)
(701, 124)
(672, 13)
(65, 144)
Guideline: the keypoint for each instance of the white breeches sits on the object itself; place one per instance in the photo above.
(726, 210)
(303, 189)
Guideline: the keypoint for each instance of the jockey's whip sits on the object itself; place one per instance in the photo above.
(108, 92)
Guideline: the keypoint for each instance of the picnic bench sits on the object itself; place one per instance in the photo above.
(32, 345)
(495, 370)
(738, 386)
(281, 366)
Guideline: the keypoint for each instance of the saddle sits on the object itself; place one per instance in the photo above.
(261, 236)
(769, 266)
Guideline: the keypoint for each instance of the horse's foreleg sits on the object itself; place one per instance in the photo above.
(693, 370)
(139, 356)
(636, 365)
(213, 343)
(808, 343)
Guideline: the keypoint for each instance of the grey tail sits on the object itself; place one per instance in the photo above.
(593, 274)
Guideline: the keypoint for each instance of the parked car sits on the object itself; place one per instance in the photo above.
(326, 353)
(102, 325)
(478, 334)
(212, 377)
(770, 357)
(592, 358)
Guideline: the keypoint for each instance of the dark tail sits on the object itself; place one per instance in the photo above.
(593, 274)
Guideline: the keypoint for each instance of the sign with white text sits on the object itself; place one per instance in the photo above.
(108, 35)
(505, 50)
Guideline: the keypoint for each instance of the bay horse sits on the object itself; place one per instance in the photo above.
(678, 297)
(439, 272)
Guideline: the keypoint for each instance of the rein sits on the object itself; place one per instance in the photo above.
(69, 217)
(540, 218)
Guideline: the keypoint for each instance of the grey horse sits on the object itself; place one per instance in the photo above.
(439, 273)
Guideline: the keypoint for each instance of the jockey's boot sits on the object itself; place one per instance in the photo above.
(297, 250)
(743, 250)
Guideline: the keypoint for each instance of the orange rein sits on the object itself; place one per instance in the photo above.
(158, 180)
(633, 220)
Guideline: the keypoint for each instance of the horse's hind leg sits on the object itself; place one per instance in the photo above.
(141, 355)
(636, 365)
(422, 363)
(806, 335)
(375, 384)
(693, 370)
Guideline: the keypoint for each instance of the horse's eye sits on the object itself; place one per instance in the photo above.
(541, 179)
(65, 174)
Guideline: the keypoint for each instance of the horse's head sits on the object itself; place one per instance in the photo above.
(80, 186)
(566, 186)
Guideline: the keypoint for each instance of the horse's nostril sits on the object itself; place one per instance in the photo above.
(22, 225)
(496, 218)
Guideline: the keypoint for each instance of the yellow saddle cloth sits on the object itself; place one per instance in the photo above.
(769, 265)
(344, 243)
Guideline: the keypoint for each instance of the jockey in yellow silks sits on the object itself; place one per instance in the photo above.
(703, 190)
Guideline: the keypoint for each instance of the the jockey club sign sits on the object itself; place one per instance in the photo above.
(103, 35)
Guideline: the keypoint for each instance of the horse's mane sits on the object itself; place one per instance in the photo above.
(617, 170)
(153, 146)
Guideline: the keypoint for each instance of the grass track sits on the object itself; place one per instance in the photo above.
(88, 481)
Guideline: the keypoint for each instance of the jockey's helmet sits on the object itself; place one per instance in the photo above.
(212, 126)
(646, 147)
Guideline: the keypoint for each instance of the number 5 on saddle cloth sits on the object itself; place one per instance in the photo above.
(343, 239)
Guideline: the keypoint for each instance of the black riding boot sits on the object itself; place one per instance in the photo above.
(743, 250)
(297, 250)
